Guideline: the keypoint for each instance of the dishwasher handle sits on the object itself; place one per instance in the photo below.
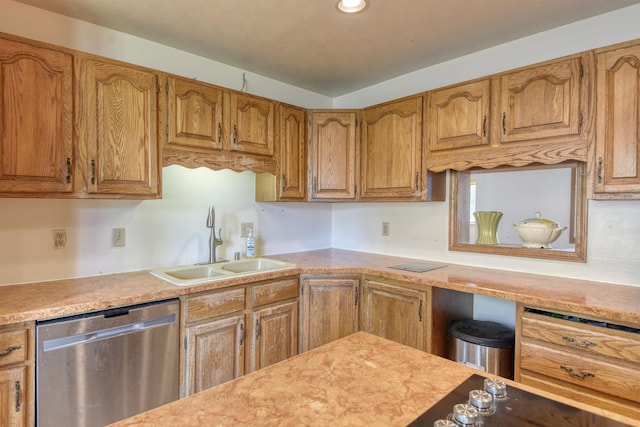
(104, 334)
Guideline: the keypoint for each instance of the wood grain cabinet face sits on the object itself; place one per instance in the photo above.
(195, 114)
(230, 332)
(617, 154)
(330, 308)
(17, 375)
(391, 151)
(118, 128)
(395, 313)
(292, 145)
(252, 122)
(334, 155)
(458, 116)
(542, 102)
(36, 130)
(590, 363)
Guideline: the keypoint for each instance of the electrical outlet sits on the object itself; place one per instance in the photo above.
(245, 227)
(59, 238)
(385, 229)
(119, 237)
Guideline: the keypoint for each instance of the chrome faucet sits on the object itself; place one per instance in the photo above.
(213, 240)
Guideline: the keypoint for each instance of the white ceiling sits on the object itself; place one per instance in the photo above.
(309, 44)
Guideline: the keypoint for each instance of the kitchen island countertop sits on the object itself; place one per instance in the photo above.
(359, 380)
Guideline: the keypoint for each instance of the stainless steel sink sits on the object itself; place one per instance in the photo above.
(184, 275)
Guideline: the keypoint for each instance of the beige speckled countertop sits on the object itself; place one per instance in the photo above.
(360, 380)
(47, 300)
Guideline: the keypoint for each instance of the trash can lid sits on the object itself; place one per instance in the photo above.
(482, 332)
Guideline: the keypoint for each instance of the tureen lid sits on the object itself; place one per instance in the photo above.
(538, 221)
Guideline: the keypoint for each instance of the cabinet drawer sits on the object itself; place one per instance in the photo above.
(585, 338)
(215, 304)
(13, 346)
(274, 292)
(595, 374)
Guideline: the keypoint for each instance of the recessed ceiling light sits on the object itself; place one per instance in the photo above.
(352, 6)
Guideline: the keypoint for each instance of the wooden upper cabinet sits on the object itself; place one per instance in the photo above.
(334, 154)
(543, 102)
(252, 121)
(118, 128)
(617, 148)
(292, 146)
(195, 115)
(36, 122)
(458, 116)
(391, 151)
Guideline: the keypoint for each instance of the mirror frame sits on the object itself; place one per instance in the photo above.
(459, 216)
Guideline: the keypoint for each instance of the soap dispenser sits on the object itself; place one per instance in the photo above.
(251, 245)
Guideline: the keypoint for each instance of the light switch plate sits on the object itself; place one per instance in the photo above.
(244, 228)
(119, 237)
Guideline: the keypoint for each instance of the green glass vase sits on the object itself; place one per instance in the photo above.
(487, 227)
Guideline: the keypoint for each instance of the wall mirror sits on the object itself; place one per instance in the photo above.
(558, 192)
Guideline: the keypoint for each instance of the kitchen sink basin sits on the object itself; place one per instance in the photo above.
(258, 264)
(184, 275)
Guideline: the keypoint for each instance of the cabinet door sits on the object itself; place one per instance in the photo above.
(117, 127)
(292, 145)
(458, 116)
(195, 114)
(542, 102)
(334, 155)
(36, 123)
(394, 313)
(275, 335)
(618, 121)
(329, 311)
(13, 411)
(391, 155)
(215, 353)
(251, 124)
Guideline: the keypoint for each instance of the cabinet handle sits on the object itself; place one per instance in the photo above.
(504, 123)
(599, 170)
(417, 181)
(315, 184)
(257, 329)
(8, 350)
(68, 170)
(582, 375)
(17, 396)
(356, 298)
(93, 171)
(583, 344)
(241, 334)
(420, 311)
(219, 132)
(284, 182)
(484, 126)
(234, 137)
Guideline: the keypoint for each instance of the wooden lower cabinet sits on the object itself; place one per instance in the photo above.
(17, 375)
(329, 309)
(395, 312)
(579, 358)
(230, 332)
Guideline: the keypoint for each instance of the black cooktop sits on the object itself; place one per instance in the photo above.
(518, 408)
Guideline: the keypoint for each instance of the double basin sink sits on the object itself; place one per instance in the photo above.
(199, 273)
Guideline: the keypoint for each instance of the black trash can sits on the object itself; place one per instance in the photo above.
(484, 345)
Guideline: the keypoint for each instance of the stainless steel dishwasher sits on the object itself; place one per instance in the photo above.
(101, 367)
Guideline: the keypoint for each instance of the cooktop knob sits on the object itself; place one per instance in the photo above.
(480, 399)
(495, 387)
(465, 414)
(444, 423)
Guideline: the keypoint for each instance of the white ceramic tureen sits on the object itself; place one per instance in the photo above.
(538, 232)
